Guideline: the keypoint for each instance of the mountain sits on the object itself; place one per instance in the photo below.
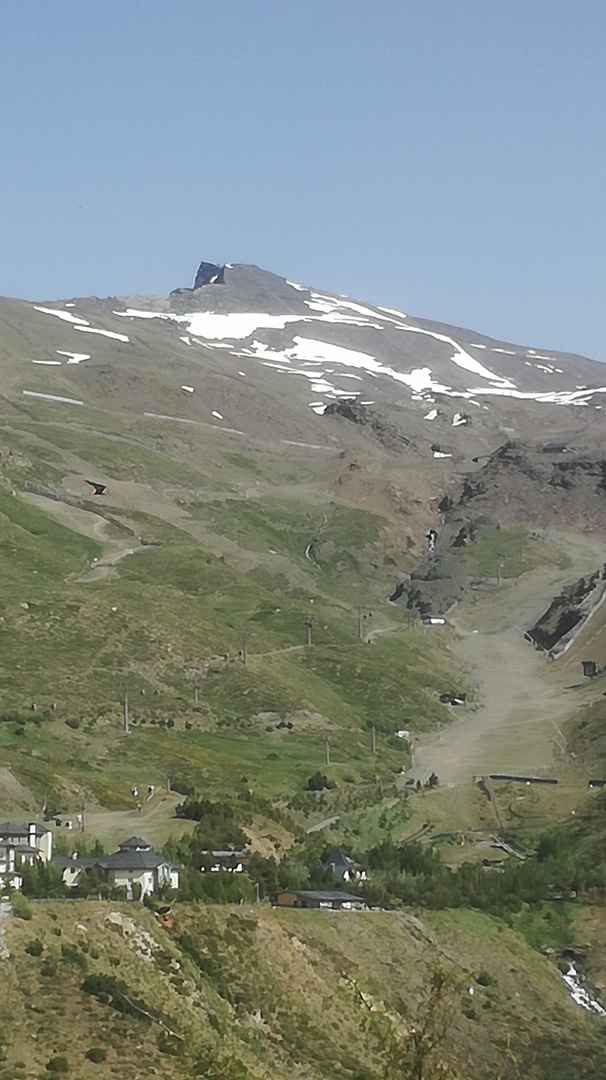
(331, 349)
(211, 504)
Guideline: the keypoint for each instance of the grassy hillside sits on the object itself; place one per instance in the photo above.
(256, 993)
(103, 598)
(234, 587)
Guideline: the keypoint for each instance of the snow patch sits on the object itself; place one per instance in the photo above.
(294, 285)
(555, 397)
(74, 357)
(104, 333)
(49, 363)
(431, 415)
(65, 315)
(236, 324)
(461, 358)
(217, 415)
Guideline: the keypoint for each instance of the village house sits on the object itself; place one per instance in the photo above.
(342, 867)
(22, 845)
(235, 862)
(134, 867)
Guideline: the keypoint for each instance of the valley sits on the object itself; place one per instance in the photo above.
(319, 517)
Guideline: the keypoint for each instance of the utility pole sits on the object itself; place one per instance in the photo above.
(195, 678)
(308, 626)
(125, 681)
(327, 752)
(244, 639)
(363, 613)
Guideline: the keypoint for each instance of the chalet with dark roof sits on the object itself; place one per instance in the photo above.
(133, 866)
(341, 866)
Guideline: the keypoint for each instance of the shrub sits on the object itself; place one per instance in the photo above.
(111, 991)
(484, 979)
(20, 906)
(73, 723)
(317, 782)
(170, 1044)
(34, 947)
(72, 954)
(49, 970)
(96, 1054)
(58, 1065)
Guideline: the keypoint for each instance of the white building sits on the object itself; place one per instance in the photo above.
(133, 864)
(22, 845)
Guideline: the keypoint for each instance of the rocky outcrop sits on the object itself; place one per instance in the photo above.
(386, 433)
(557, 628)
(209, 274)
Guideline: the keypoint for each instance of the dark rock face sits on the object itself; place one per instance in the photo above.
(385, 432)
(209, 274)
(573, 605)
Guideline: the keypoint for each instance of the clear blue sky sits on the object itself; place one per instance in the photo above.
(447, 157)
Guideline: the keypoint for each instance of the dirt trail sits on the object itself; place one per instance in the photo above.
(155, 822)
(521, 692)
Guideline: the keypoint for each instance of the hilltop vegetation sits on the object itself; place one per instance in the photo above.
(254, 992)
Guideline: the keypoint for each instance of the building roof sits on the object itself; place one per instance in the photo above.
(134, 843)
(132, 860)
(9, 828)
(227, 854)
(83, 862)
(324, 895)
(338, 862)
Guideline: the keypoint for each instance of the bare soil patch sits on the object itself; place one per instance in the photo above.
(522, 695)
